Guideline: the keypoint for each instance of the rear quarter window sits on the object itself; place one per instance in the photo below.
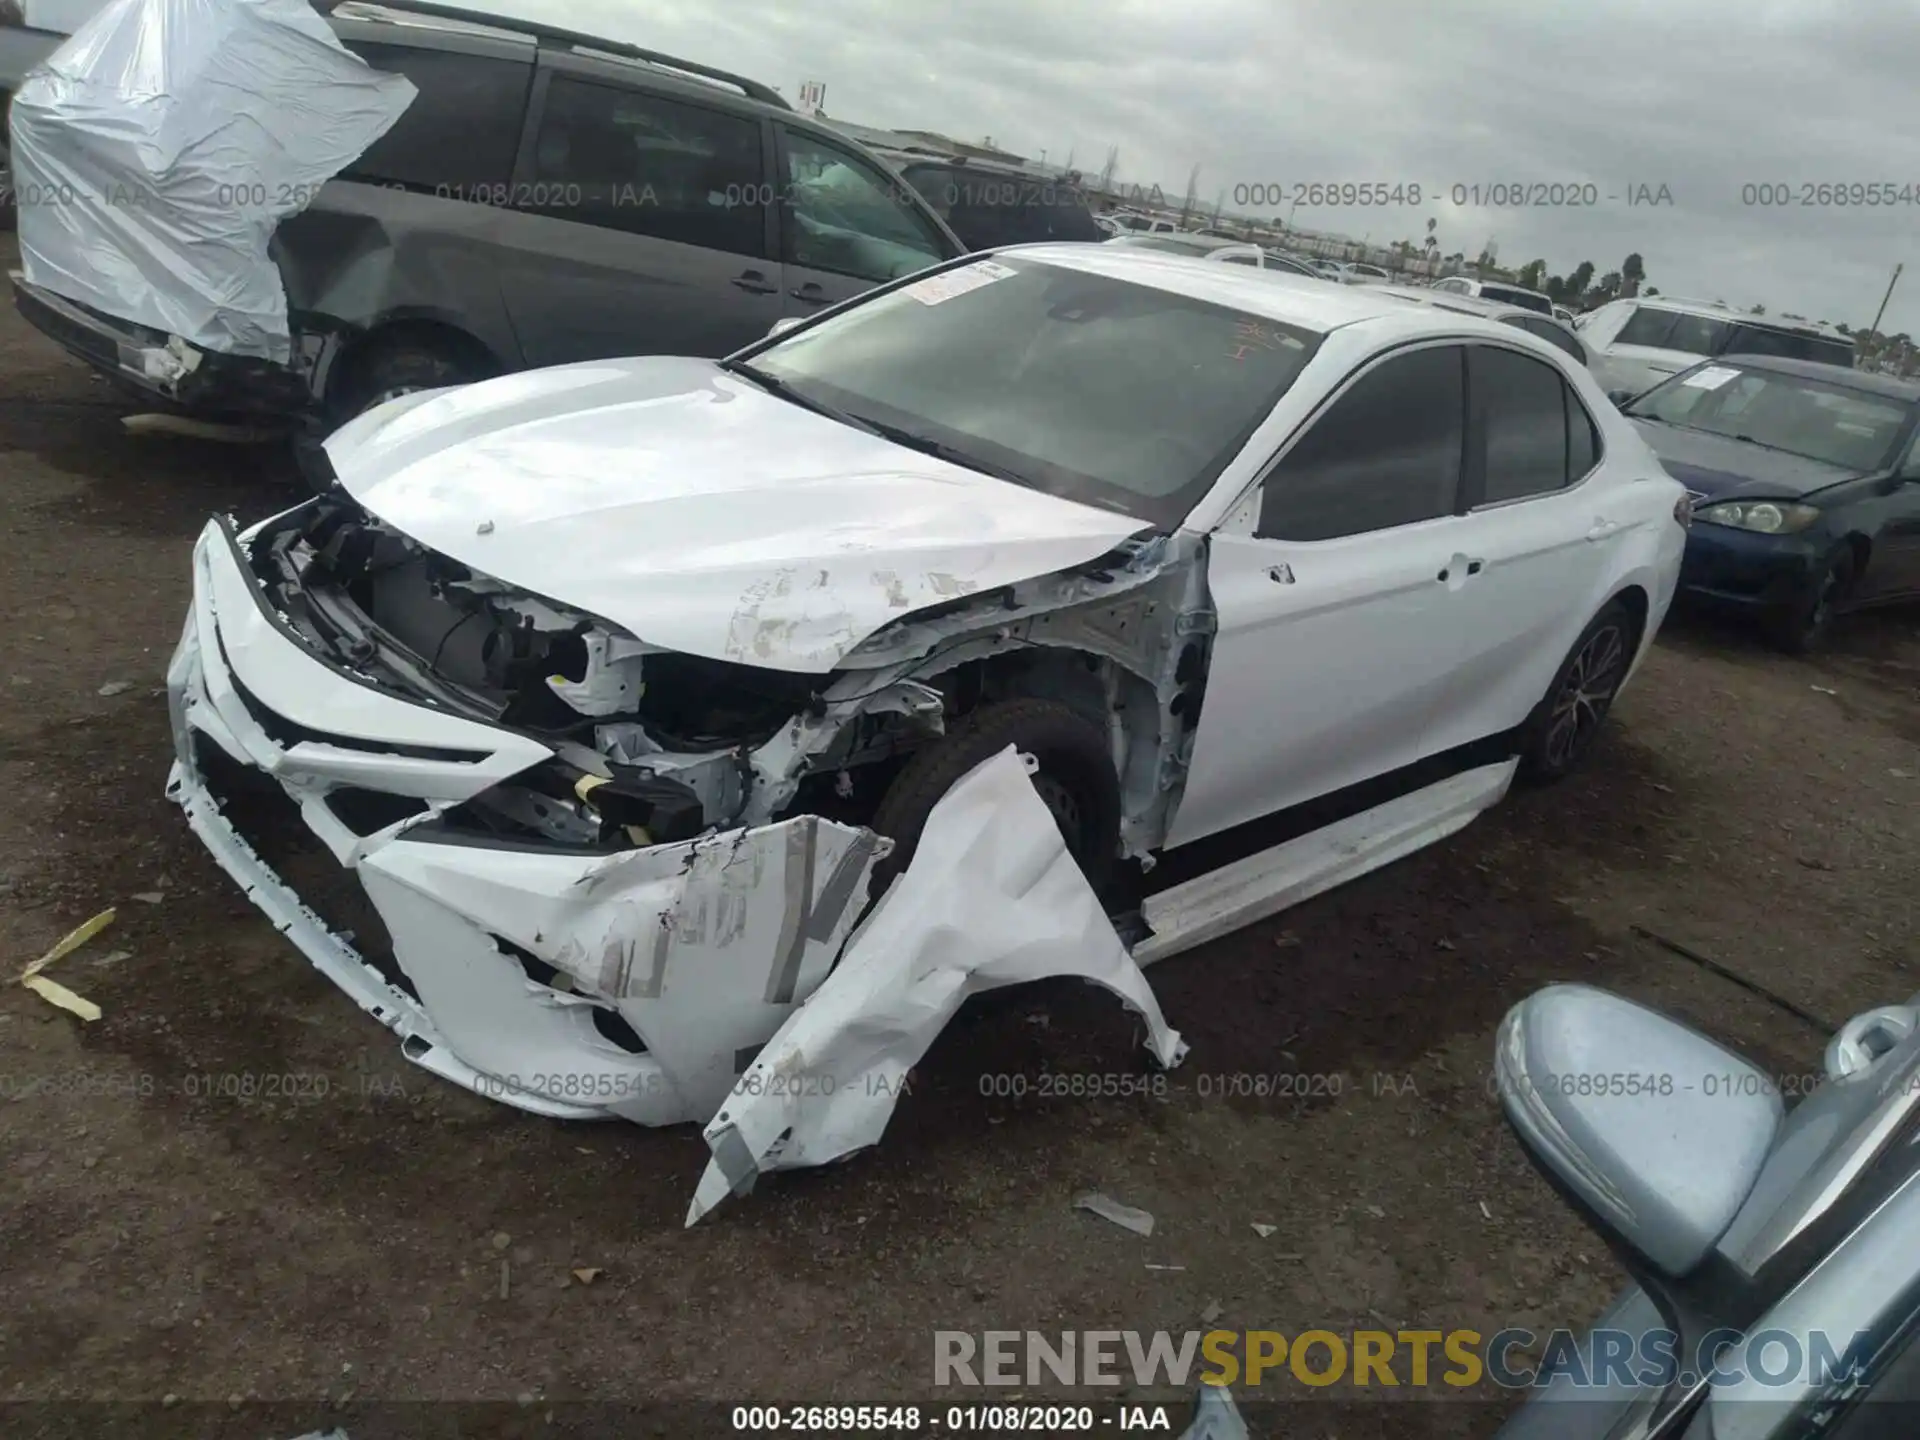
(460, 135)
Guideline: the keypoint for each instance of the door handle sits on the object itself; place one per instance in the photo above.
(1602, 527)
(809, 292)
(754, 283)
(1475, 566)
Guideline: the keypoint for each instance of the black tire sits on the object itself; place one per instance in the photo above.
(1558, 735)
(1807, 623)
(1076, 780)
(399, 367)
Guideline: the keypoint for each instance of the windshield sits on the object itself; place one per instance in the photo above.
(1099, 390)
(1833, 423)
(1512, 295)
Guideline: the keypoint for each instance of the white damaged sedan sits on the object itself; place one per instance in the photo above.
(602, 682)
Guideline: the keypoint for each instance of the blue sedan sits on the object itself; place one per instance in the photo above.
(1806, 488)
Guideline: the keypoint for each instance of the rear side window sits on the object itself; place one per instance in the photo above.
(460, 135)
(627, 160)
(1386, 453)
(1554, 335)
(1539, 437)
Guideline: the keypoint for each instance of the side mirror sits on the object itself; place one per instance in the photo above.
(1656, 1131)
(784, 324)
(1620, 398)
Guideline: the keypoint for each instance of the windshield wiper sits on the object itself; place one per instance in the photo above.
(940, 450)
(774, 385)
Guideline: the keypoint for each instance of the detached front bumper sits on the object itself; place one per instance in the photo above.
(579, 984)
(161, 367)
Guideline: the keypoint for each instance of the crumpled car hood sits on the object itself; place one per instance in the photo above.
(698, 512)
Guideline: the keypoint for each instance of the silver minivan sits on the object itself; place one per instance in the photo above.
(547, 197)
(1638, 343)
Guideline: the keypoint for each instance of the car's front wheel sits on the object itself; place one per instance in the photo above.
(1563, 727)
(1805, 622)
(1075, 778)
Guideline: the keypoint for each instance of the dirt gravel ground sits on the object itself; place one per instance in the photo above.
(277, 1264)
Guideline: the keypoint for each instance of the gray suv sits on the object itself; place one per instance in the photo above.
(547, 197)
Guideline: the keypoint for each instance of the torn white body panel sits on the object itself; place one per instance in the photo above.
(571, 983)
(991, 898)
(734, 525)
(157, 149)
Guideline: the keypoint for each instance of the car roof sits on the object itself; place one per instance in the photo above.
(422, 23)
(1282, 295)
(1869, 381)
(901, 157)
(1203, 242)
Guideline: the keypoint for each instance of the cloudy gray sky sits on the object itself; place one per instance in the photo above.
(1702, 97)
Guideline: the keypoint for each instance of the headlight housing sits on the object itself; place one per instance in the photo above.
(1764, 517)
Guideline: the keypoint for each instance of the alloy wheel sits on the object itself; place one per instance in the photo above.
(1586, 692)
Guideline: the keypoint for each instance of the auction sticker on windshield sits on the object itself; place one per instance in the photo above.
(1711, 378)
(944, 286)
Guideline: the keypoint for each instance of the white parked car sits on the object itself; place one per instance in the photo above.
(1638, 343)
(1132, 222)
(1497, 291)
(573, 668)
(1355, 273)
(1227, 252)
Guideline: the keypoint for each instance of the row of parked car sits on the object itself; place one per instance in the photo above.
(550, 197)
(1208, 542)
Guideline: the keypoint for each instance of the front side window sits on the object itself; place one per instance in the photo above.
(459, 136)
(1817, 419)
(1099, 390)
(631, 161)
(845, 216)
(1387, 452)
(1553, 334)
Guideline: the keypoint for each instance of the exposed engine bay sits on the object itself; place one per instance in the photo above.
(653, 746)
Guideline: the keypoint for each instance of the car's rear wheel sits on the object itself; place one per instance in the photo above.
(1806, 622)
(1563, 727)
(1075, 780)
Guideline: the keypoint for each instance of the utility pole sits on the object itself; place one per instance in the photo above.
(1874, 329)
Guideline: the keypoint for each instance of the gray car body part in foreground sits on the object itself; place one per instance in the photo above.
(547, 198)
(1734, 1217)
